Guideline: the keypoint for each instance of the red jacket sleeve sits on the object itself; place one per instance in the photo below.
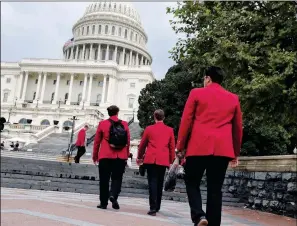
(128, 136)
(237, 130)
(186, 121)
(172, 147)
(81, 137)
(97, 142)
(143, 144)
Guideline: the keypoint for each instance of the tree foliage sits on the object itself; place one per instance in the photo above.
(256, 44)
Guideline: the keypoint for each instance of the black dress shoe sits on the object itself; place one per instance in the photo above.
(152, 212)
(115, 204)
(100, 206)
(202, 222)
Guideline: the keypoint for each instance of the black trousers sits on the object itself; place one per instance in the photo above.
(215, 167)
(114, 169)
(155, 176)
(81, 150)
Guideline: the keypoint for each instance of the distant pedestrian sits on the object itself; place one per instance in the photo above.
(2, 145)
(156, 152)
(210, 137)
(80, 143)
(111, 150)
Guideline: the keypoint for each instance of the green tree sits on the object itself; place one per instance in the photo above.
(256, 43)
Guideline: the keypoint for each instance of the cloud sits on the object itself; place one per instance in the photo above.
(40, 29)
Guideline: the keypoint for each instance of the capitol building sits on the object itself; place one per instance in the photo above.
(105, 62)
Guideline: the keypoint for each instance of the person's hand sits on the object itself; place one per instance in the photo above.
(234, 163)
(139, 162)
(180, 154)
(95, 162)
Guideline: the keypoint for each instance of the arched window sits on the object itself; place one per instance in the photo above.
(120, 31)
(93, 29)
(45, 122)
(88, 30)
(99, 29)
(126, 33)
(98, 99)
(5, 97)
(83, 31)
(113, 30)
(135, 37)
(23, 121)
(67, 123)
(106, 29)
(131, 100)
(79, 96)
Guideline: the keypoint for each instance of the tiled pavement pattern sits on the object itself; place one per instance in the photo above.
(31, 207)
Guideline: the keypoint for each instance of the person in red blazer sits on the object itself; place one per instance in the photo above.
(209, 136)
(80, 143)
(156, 152)
(112, 162)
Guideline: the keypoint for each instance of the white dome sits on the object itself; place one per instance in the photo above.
(124, 8)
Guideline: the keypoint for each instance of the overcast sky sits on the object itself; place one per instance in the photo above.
(40, 29)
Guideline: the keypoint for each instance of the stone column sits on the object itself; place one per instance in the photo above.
(21, 85)
(107, 53)
(137, 60)
(25, 86)
(141, 63)
(91, 53)
(38, 88)
(71, 55)
(99, 52)
(130, 58)
(123, 57)
(90, 90)
(57, 89)
(68, 102)
(76, 53)
(83, 52)
(84, 89)
(115, 54)
(103, 90)
(43, 88)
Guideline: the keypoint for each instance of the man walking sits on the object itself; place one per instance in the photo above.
(210, 136)
(156, 152)
(111, 150)
(80, 143)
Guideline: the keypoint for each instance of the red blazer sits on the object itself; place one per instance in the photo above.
(157, 145)
(102, 149)
(211, 123)
(81, 138)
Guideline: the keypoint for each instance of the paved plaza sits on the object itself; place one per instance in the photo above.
(32, 207)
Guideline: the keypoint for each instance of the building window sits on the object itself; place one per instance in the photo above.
(135, 37)
(78, 33)
(113, 30)
(68, 82)
(55, 81)
(132, 85)
(66, 96)
(53, 96)
(131, 35)
(81, 83)
(79, 97)
(131, 102)
(36, 81)
(93, 29)
(126, 33)
(45, 122)
(100, 83)
(87, 30)
(83, 30)
(98, 99)
(5, 97)
(120, 31)
(8, 80)
(34, 95)
(106, 29)
(99, 29)
(23, 121)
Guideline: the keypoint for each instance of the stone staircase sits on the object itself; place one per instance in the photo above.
(83, 178)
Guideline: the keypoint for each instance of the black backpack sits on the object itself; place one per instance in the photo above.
(118, 137)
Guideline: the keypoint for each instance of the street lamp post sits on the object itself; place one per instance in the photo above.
(83, 106)
(59, 103)
(37, 102)
(15, 101)
(9, 113)
(74, 118)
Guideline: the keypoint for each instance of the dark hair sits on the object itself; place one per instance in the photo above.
(159, 115)
(86, 126)
(113, 110)
(215, 73)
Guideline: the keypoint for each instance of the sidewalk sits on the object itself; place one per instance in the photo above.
(32, 207)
